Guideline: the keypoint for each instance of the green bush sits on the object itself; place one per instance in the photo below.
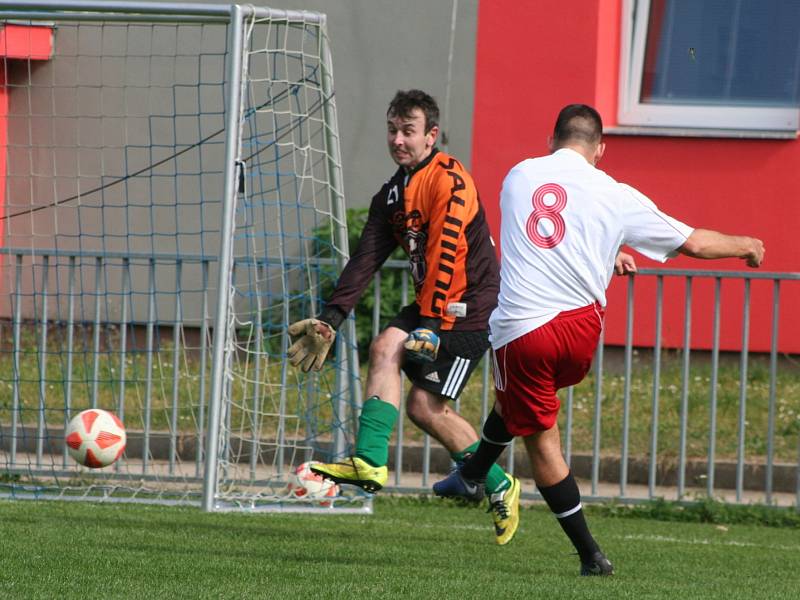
(391, 281)
(703, 510)
(321, 246)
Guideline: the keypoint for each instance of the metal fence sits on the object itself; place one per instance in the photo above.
(626, 473)
(611, 466)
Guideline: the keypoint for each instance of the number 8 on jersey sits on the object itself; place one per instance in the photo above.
(550, 212)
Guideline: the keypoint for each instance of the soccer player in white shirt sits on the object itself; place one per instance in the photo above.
(563, 222)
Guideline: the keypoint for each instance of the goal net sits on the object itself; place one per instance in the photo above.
(170, 199)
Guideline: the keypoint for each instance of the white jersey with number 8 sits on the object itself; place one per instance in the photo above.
(562, 223)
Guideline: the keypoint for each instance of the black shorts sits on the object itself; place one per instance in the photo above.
(459, 354)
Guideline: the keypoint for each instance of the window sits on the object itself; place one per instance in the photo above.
(711, 64)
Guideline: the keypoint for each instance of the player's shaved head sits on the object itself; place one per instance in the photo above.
(577, 123)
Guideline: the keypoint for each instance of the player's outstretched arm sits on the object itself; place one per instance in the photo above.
(706, 243)
(624, 264)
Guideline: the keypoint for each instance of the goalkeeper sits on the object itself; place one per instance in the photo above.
(430, 208)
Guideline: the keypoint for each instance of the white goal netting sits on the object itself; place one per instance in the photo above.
(127, 199)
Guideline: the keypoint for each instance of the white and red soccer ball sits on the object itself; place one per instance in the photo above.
(95, 438)
(304, 483)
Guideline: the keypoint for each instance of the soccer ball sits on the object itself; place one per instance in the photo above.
(95, 438)
(304, 483)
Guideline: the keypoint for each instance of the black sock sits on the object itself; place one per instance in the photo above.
(564, 499)
(494, 439)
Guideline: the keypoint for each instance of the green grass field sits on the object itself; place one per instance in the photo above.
(410, 548)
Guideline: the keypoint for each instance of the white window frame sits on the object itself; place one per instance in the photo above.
(633, 112)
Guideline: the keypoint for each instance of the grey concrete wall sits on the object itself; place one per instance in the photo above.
(81, 121)
(380, 46)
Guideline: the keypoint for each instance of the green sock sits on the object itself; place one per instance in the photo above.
(496, 479)
(375, 427)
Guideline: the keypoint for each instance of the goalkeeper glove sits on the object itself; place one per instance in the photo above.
(422, 345)
(310, 350)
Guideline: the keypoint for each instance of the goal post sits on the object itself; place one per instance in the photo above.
(171, 200)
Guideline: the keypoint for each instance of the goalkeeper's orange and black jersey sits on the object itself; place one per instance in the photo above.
(435, 214)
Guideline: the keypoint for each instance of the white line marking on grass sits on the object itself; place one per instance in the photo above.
(702, 542)
(417, 525)
(632, 536)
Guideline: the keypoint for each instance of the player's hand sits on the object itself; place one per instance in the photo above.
(422, 345)
(624, 264)
(756, 254)
(310, 350)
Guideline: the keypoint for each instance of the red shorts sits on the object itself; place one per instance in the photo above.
(529, 370)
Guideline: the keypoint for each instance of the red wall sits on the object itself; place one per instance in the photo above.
(3, 150)
(534, 58)
(16, 42)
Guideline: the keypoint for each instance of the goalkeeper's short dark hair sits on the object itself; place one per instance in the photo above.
(577, 123)
(405, 101)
